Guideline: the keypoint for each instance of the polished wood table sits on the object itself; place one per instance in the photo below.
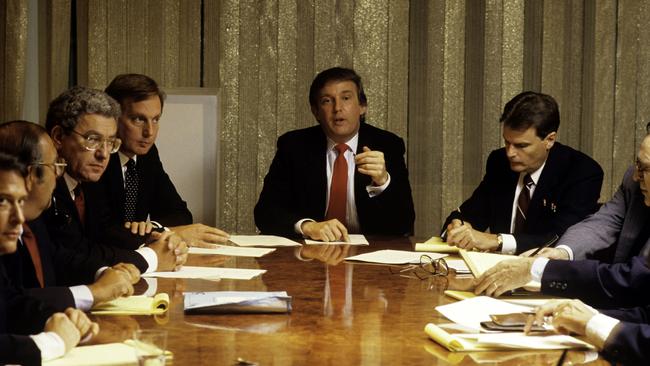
(345, 314)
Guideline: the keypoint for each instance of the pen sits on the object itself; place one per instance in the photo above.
(443, 236)
(546, 245)
(561, 360)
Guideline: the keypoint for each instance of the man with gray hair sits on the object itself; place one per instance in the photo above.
(83, 125)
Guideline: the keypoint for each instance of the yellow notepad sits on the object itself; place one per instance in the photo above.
(479, 262)
(450, 341)
(459, 295)
(102, 354)
(134, 305)
(435, 244)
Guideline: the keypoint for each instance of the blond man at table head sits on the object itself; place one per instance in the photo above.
(140, 190)
(341, 176)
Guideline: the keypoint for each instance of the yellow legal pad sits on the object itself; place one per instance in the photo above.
(110, 354)
(435, 244)
(479, 262)
(134, 305)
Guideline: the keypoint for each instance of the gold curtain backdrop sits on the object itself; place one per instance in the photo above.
(436, 73)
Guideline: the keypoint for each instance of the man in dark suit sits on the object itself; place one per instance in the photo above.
(339, 177)
(82, 124)
(29, 331)
(139, 190)
(38, 264)
(533, 189)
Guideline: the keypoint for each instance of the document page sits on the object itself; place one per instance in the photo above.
(232, 251)
(355, 239)
(479, 262)
(262, 241)
(390, 256)
(471, 312)
(209, 273)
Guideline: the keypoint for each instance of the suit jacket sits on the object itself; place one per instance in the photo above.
(628, 344)
(88, 240)
(20, 316)
(599, 284)
(566, 192)
(616, 225)
(157, 196)
(296, 185)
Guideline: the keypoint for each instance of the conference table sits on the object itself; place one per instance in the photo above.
(344, 314)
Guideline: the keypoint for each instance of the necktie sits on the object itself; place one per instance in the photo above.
(337, 207)
(32, 247)
(80, 203)
(130, 190)
(522, 204)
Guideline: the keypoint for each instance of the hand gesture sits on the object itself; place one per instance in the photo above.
(141, 228)
(170, 249)
(202, 236)
(505, 276)
(569, 316)
(111, 284)
(331, 230)
(372, 163)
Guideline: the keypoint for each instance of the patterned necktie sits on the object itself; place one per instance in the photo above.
(130, 190)
(80, 203)
(32, 247)
(337, 207)
(522, 204)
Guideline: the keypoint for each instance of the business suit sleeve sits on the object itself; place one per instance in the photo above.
(167, 206)
(18, 350)
(602, 229)
(391, 212)
(275, 211)
(598, 284)
(58, 298)
(628, 344)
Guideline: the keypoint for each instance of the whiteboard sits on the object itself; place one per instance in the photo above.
(188, 145)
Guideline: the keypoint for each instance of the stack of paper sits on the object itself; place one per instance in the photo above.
(134, 305)
(262, 241)
(468, 314)
(525, 300)
(221, 302)
(101, 355)
(479, 262)
(435, 244)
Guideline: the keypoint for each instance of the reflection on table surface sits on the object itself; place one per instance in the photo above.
(344, 314)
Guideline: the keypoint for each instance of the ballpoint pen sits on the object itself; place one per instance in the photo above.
(546, 245)
(443, 236)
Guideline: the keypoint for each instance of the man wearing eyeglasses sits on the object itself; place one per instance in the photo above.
(83, 125)
(139, 190)
(621, 228)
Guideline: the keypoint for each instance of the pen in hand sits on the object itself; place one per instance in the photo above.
(546, 245)
(443, 236)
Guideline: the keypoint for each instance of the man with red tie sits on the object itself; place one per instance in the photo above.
(343, 176)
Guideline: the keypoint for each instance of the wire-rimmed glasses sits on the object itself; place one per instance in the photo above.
(58, 166)
(93, 142)
(428, 267)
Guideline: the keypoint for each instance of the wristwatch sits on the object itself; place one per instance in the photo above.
(499, 242)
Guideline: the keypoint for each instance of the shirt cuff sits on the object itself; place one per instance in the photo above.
(568, 250)
(377, 190)
(50, 344)
(152, 286)
(83, 297)
(99, 272)
(537, 268)
(297, 227)
(509, 244)
(149, 255)
(157, 225)
(599, 327)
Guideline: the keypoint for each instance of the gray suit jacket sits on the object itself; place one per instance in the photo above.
(618, 223)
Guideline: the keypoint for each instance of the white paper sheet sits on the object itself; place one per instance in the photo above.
(459, 265)
(390, 256)
(233, 251)
(355, 239)
(209, 273)
(471, 312)
(262, 241)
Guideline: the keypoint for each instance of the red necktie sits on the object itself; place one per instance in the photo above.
(80, 203)
(337, 207)
(32, 247)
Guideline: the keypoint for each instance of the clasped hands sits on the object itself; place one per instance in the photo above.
(462, 235)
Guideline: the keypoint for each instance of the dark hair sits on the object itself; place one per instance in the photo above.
(73, 103)
(532, 109)
(336, 74)
(134, 88)
(10, 163)
(21, 139)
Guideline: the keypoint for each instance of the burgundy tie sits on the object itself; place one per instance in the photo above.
(32, 247)
(80, 203)
(522, 204)
(337, 207)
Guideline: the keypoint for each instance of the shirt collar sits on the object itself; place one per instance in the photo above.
(534, 175)
(125, 159)
(353, 143)
(70, 182)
